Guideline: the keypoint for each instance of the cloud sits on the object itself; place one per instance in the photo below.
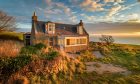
(114, 10)
(133, 18)
(65, 9)
(49, 2)
(129, 6)
(111, 10)
(73, 19)
(117, 1)
(88, 18)
(60, 10)
(90, 5)
(57, 8)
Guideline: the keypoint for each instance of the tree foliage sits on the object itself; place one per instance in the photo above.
(106, 39)
(7, 23)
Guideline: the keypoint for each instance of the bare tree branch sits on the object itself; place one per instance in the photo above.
(7, 23)
(107, 39)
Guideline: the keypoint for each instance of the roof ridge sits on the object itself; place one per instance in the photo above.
(58, 23)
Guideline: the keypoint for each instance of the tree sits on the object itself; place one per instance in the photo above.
(107, 39)
(7, 23)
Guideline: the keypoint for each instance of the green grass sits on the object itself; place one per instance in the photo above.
(124, 55)
(11, 36)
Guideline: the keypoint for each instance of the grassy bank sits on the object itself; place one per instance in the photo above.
(11, 36)
(34, 65)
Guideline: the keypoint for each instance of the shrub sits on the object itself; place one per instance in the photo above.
(10, 65)
(29, 50)
(104, 50)
(50, 55)
(86, 56)
(9, 48)
(33, 49)
(40, 46)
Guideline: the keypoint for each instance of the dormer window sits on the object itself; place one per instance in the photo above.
(50, 28)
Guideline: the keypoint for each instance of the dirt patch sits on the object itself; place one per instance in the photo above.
(101, 68)
(98, 54)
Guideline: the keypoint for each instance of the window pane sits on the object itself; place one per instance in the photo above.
(50, 29)
(68, 41)
(72, 41)
(78, 41)
(82, 41)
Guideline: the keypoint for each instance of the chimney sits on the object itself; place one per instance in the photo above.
(80, 27)
(34, 21)
(81, 23)
(34, 17)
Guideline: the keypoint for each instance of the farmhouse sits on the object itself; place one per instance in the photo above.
(69, 37)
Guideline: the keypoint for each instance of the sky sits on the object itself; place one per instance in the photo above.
(100, 16)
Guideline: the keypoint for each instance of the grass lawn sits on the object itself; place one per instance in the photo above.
(124, 55)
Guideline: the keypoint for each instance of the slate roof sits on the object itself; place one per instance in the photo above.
(60, 28)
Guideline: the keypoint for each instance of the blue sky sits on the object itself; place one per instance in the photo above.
(71, 11)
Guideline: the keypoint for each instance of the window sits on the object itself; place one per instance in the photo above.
(78, 41)
(27, 37)
(50, 29)
(70, 41)
(82, 41)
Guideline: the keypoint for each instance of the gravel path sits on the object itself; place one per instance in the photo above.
(101, 68)
(97, 54)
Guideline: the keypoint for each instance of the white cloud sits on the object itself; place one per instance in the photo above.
(65, 12)
(115, 13)
(88, 18)
(117, 1)
(59, 10)
(73, 19)
(66, 9)
(133, 16)
(90, 5)
(129, 6)
(114, 10)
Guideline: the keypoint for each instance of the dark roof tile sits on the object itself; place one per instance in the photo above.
(61, 29)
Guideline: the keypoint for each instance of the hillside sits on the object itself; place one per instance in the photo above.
(38, 64)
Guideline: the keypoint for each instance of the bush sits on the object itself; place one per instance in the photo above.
(36, 49)
(50, 55)
(86, 56)
(29, 50)
(11, 65)
(40, 46)
(10, 48)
